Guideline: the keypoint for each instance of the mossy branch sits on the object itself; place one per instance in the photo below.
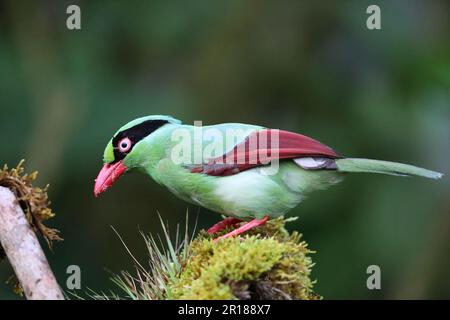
(267, 263)
(23, 208)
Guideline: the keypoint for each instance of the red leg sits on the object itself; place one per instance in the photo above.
(223, 224)
(250, 225)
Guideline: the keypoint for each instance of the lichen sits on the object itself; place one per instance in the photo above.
(33, 200)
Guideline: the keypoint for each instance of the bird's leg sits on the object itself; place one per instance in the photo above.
(250, 225)
(223, 224)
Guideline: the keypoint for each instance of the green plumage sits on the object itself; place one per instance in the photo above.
(249, 194)
(385, 167)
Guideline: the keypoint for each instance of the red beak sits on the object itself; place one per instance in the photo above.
(107, 176)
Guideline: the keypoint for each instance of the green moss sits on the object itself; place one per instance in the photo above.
(268, 263)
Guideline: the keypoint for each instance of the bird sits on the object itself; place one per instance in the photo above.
(247, 173)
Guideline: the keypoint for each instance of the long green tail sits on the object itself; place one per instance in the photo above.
(385, 167)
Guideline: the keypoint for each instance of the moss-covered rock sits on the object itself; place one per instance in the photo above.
(268, 263)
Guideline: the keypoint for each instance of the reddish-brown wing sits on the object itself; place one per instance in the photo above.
(261, 147)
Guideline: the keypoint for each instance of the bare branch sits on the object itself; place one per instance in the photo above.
(24, 251)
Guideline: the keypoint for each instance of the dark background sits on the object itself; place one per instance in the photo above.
(306, 66)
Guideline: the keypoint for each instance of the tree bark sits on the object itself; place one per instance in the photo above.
(24, 251)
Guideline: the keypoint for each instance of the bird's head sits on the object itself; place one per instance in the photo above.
(125, 150)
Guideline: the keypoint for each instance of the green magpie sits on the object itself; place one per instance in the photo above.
(248, 173)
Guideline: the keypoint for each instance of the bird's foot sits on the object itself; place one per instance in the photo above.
(223, 224)
(250, 225)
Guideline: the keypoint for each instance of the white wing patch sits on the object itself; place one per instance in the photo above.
(310, 163)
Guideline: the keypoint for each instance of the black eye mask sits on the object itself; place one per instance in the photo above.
(135, 134)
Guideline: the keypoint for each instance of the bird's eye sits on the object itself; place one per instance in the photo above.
(124, 145)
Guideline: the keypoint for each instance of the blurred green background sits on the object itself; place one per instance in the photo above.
(306, 66)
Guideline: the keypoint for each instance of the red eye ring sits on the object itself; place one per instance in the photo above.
(124, 145)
